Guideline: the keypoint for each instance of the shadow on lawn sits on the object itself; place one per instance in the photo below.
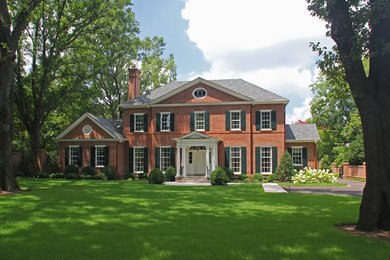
(119, 219)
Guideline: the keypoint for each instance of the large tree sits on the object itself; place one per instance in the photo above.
(14, 17)
(361, 29)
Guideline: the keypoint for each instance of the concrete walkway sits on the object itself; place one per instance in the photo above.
(273, 187)
(354, 188)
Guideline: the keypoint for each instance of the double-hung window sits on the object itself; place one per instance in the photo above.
(199, 121)
(265, 120)
(139, 159)
(165, 121)
(235, 159)
(73, 154)
(235, 120)
(138, 122)
(165, 158)
(266, 159)
(100, 155)
(296, 154)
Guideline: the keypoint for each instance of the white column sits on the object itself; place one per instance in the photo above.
(177, 160)
(214, 157)
(184, 160)
(207, 160)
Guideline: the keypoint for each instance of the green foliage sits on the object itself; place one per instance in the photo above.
(271, 178)
(326, 163)
(128, 175)
(88, 170)
(310, 175)
(27, 165)
(156, 176)
(229, 173)
(71, 169)
(57, 176)
(285, 169)
(219, 177)
(355, 154)
(243, 177)
(257, 177)
(51, 164)
(108, 172)
(142, 176)
(71, 176)
(170, 173)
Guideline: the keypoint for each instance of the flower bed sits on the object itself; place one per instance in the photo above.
(310, 175)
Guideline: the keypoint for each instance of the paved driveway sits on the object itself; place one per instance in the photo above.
(354, 188)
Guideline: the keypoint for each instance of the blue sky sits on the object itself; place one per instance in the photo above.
(261, 41)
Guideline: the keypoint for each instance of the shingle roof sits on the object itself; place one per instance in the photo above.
(113, 126)
(302, 132)
(239, 86)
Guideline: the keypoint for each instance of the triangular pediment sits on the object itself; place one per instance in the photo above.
(195, 135)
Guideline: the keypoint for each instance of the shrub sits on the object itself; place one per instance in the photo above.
(219, 177)
(170, 174)
(326, 163)
(156, 176)
(85, 177)
(43, 175)
(128, 175)
(88, 170)
(310, 175)
(141, 176)
(27, 166)
(257, 177)
(57, 176)
(285, 169)
(271, 178)
(229, 173)
(71, 169)
(108, 173)
(51, 165)
(243, 177)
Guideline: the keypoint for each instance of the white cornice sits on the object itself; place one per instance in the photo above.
(91, 140)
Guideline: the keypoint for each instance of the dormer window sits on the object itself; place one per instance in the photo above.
(199, 93)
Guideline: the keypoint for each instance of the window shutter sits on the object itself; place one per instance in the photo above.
(158, 122)
(243, 159)
(80, 158)
(93, 163)
(227, 120)
(66, 156)
(304, 156)
(172, 122)
(258, 120)
(192, 121)
(146, 161)
(207, 121)
(106, 156)
(157, 158)
(132, 123)
(258, 159)
(289, 150)
(273, 120)
(274, 158)
(243, 120)
(146, 123)
(173, 156)
(131, 159)
(227, 157)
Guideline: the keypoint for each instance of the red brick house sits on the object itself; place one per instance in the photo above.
(195, 126)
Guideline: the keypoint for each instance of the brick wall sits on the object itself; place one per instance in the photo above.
(347, 170)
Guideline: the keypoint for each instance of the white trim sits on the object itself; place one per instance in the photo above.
(261, 154)
(143, 127)
(231, 127)
(230, 159)
(204, 120)
(292, 155)
(170, 156)
(84, 131)
(301, 141)
(91, 140)
(169, 122)
(193, 93)
(196, 81)
(69, 156)
(96, 157)
(143, 158)
(261, 119)
(204, 104)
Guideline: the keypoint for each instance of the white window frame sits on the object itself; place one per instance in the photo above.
(168, 122)
(231, 119)
(240, 158)
(262, 120)
(270, 158)
(196, 113)
(193, 93)
(292, 155)
(135, 122)
(97, 147)
(135, 159)
(161, 157)
(70, 154)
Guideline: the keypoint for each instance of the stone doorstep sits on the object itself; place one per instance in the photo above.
(273, 187)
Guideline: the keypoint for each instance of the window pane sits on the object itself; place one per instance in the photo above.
(265, 120)
(165, 158)
(199, 121)
(165, 122)
(297, 156)
(235, 159)
(235, 120)
(73, 155)
(99, 156)
(139, 123)
(138, 159)
(266, 160)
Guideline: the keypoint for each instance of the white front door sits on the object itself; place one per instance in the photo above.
(197, 162)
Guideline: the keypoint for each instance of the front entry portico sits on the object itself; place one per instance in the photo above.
(196, 155)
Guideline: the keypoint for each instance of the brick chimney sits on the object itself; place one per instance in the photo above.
(134, 81)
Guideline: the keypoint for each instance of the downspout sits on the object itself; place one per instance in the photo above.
(117, 159)
(251, 136)
(315, 154)
(150, 135)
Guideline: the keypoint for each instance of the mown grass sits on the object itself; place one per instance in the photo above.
(356, 179)
(65, 219)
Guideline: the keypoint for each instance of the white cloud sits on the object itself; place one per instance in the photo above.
(264, 42)
(300, 113)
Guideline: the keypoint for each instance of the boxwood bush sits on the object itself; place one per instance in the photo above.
(51, 165)
(219, 177)
(71, 169)
(142, 176)
(257, 177)
(88, 170)
(156, 176)
(128, 175)
(170, 173)
(108, 173)
(271, 178)
(229, 173)
(243, 177)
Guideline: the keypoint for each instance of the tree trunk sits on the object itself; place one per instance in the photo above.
(35, 143)
(7, 178)
(375, 206)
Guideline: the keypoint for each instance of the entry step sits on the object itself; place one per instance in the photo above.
(273, 187)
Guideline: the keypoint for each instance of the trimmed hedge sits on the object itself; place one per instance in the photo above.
(88, 170)
(128, 175)
(108, 173)
(156, 176)
(219, 177)
(271, 178)
(71, 169)
(229, 173)
(170, 174)
(257, 177)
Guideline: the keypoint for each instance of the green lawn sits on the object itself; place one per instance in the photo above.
(64, 219)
